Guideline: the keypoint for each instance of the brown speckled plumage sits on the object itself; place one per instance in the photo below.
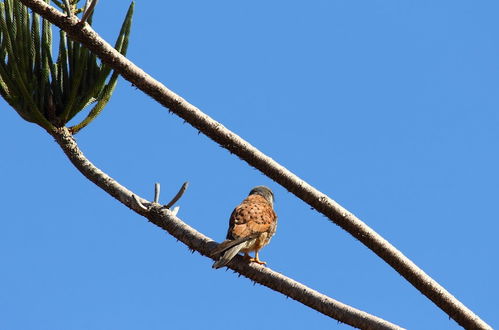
(252, 224)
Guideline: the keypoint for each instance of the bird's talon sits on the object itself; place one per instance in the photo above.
(258, 261)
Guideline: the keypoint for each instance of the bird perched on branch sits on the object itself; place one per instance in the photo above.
(252, 224)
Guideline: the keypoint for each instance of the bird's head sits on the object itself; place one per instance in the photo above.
(265, 192)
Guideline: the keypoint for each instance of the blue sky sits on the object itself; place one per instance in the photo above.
(389, 107)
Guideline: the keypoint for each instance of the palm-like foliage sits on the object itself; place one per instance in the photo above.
(47, 92)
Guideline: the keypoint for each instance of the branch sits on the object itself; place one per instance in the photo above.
(89, 8)
(166, 219)
(235, 144)
(157, 190)
(178, 195)
(68, 7)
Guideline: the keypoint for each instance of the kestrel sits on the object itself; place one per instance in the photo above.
(252, 224)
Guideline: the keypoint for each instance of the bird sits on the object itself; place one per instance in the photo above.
(251, 226)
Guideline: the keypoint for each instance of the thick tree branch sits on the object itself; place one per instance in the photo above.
(165, 219)
(235, 144)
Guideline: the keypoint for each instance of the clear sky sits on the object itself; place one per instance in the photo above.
(389, 107)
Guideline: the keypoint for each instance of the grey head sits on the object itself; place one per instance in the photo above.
(265, 192)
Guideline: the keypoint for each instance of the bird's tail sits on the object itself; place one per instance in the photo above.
(229, 248)
(227, 256)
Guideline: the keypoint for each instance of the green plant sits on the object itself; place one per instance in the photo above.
(47, 92)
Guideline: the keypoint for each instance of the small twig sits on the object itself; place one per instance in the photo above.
(175, 210)
(88, 11)
(68, 8)
(178, 195)
(157, 190)
(138, 203)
